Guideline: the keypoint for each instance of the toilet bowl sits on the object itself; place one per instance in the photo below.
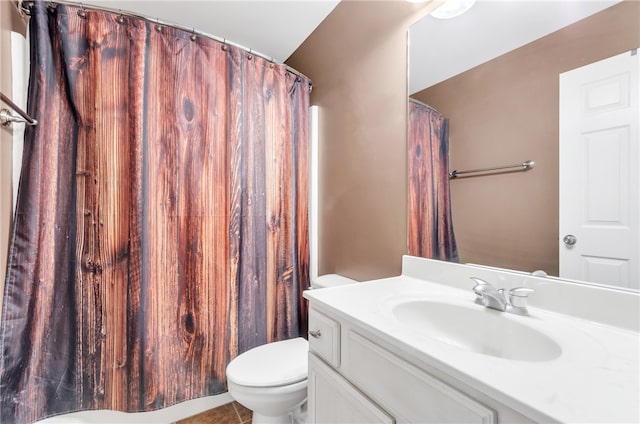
(271, 380)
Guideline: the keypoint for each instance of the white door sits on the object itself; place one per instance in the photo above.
(599, 178)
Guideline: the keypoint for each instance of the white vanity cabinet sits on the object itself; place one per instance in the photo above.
(332, 399)
(352, 379)
(416, 348)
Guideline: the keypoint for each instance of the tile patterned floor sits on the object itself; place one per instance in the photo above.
(230, 413)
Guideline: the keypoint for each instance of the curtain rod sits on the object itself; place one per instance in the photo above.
(525, 166)
(6, 117)
(418, 102)
(24, 7)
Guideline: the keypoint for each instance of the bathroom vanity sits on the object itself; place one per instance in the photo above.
(417, 349)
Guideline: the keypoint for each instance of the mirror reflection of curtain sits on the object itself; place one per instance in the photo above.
(161, 226)
(430, 226)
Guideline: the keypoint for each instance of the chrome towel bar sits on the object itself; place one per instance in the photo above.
(7, 117)
(525, 166)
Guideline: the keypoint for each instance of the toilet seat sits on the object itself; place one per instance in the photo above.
(271, 365)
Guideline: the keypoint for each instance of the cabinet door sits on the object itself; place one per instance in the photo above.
(324, 337)
(332, 400)
(410, 394)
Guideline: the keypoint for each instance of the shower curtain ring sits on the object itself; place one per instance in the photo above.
(193, 34)
(82, 13)
(120, 18)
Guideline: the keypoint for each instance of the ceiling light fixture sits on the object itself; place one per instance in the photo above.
(452, 8)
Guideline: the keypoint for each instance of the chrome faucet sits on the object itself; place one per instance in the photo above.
(489, 296)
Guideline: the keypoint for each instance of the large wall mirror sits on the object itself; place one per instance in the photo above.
(494, 73)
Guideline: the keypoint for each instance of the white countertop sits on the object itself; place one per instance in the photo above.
(595, 379)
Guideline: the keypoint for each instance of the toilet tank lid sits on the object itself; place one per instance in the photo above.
(330, 280)
(270, 365)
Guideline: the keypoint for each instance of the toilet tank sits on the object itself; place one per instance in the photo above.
(330, 280)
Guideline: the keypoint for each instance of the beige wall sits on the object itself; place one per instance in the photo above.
(506, 111)
(357, 60)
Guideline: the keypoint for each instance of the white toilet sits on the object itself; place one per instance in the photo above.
(271, 380)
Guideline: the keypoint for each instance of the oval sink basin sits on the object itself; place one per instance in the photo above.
(478, 330)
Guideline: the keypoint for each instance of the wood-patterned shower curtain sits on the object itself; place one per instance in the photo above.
(161, 226)
(430, 225)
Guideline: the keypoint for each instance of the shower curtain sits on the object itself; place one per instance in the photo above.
(161, 226)
(430, 225)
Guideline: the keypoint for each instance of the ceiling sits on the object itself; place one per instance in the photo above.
(440, 49)
(274, 29)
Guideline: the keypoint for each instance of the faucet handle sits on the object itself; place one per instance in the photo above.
(480, 287)
(518, 299)
(520, 291)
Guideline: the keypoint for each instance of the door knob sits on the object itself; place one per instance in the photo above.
(569, 239)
